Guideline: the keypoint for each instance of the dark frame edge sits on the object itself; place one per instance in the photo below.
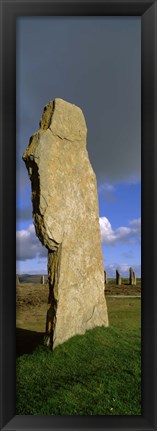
(149, 98)
(149, 199)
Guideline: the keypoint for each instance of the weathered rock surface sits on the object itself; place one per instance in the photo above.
(65, 211)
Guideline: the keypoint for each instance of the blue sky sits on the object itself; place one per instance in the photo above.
(93, 62)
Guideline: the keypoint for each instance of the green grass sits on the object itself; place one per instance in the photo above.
(98, 373)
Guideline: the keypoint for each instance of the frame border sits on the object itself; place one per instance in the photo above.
(9, 11)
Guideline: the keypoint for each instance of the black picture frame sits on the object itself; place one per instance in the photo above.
(10, 10)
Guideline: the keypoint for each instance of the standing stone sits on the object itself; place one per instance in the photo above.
(134, 279)
(17, 279)
(65, 211)
(131, 276)
(42, 279)
(118, 278)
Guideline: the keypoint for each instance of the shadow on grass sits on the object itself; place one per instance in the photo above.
(27, 341)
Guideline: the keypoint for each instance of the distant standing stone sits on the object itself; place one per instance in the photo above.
(17, 279)
(131, 276)
(134, 279)
(118, 278)
(42, 279)
(65, 211)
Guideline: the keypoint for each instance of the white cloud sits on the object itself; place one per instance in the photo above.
(136, 225)
(136, 222)
(106, 187)
(122, 234)
(28, 245)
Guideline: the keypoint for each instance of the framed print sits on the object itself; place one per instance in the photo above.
(78, 52)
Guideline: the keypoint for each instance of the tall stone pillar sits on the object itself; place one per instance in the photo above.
(66, 219)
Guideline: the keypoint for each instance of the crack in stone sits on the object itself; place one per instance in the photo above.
(60, 137)
(91, 314)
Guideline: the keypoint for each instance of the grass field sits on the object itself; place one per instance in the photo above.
(98, 373)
